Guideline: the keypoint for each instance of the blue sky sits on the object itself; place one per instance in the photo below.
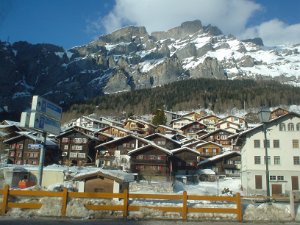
(70, 23)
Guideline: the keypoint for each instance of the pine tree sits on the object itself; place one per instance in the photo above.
(159, 118)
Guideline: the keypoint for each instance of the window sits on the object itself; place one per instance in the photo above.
(272, 177)
(258, 181)
(81, 155)
(296, 160)
(20, 146)
(298, 126)
(282, 127)
(256, 143)
(276, 143)
(66, 147)
(269, 160)
(276, 160)
(77, 140)
(295, 183)
(295, 143)
(280, 178)
(290, 127)
(65, 140)
(268, 143)
(76, 147)
(257, 160)
(73, 155)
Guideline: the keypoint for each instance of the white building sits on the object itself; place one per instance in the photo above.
(283, 135)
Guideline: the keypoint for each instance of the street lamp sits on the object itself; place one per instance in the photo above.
(264, 116)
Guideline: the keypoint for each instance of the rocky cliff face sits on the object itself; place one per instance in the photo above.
(130, 59)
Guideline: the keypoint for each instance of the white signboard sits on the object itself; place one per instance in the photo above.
(35, 146)
(44, 123)
(25, 116)
(46, 107)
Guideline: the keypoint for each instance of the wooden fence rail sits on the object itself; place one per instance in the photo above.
(127, 206)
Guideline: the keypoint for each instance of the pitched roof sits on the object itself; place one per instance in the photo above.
(162, 135)
(121, 139)
(31, 136)
(185, 149)
(117, 175)
(209, 142)
(216, 157)
(149, 146)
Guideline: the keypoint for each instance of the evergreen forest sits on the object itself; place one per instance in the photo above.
(217, 95)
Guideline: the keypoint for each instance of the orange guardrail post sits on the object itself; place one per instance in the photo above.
(4, 199)
(125, 200)
(184, 206)
(64, 202)
(239, 207)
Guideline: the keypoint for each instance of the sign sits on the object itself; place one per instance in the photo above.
(44, 123)
(46, 107)
(35, 146)
(25, 116)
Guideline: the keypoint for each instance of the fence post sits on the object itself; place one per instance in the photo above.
(125, 202)
(4, 200)
(292, 205)
(239, 207)
(184, 206)
(64, 202)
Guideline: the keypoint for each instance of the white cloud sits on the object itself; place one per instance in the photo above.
(157, 15)
(275, 32)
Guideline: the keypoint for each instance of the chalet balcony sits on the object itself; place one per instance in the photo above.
(231, 166)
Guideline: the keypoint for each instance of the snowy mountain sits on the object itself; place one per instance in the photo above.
(130, 59)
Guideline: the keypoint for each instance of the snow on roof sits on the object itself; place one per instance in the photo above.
(122, 138)
(168, 137)
(115, 174)
(211, 159)
(185, 148)
(150, 145)
(206, 171)
(33, 137)
(209, 142)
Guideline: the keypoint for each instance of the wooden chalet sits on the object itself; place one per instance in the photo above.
(180, 122)
(219, 136)
(234, 119)
(165, 130)
(77, 147)
(116, 131)
(229, 126)
(193, 144)
(7, 131)
(184, 161)
(139, 127)
(114, 154)
(151, 162)
(193, 115)
(201, 133)
(208, 149)
(25, 149)
(210, 121)
(192, 128)
(227, 163)
(108, 181)
(164, 141)
(278, 112)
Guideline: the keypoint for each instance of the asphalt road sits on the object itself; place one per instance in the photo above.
(52, 221)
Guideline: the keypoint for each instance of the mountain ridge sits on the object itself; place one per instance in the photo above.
(131, 59)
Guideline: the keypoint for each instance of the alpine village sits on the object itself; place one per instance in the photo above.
(133, 111)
